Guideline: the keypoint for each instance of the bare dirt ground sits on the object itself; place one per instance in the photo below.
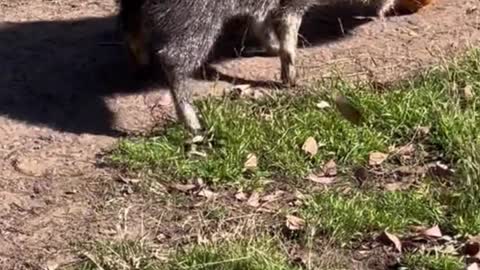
(66, 95)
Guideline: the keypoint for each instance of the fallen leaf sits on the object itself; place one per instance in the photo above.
(295, 223)
(252, 162)
(468, 92)
(324, 180)
(310, 146)
(241, 196)
(433, 232)
(207, 193)
(184, 188)
(377, 158)
(473, 266)
(323, 105)
(388, 238)
(348, 111)
(254, 200)
(330, 168)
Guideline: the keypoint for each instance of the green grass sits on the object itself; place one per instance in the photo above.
(119, 256)
(239, 128)
(345, 217)
(275, 129)
(432, 262)
(261, 254)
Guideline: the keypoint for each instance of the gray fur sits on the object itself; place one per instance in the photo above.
(181, 33)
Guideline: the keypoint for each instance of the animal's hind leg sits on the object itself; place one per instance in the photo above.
(287, 26)
(180, 58)
(182, 97)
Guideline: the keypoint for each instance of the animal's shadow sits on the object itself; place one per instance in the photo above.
(58, 73)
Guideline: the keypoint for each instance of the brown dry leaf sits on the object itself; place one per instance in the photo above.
(310, 146)
(254, 200)
(295, 223)
(347, 110)
(184, 188)
(330, 168)
(433, 232)
(241, 196)
(473, 266)
(388, 238)
(377, 158)
(324, 180)
(207, 194)
(252, 162)
(468, 92)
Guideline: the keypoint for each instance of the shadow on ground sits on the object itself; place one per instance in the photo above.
(57, 73)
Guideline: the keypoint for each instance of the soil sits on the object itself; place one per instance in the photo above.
(66, 95)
